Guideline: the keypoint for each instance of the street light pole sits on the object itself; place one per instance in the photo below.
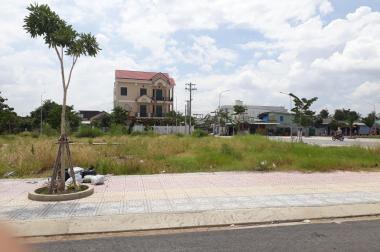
(220, 96)
(190, 87)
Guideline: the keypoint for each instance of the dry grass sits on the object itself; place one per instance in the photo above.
(32, 157)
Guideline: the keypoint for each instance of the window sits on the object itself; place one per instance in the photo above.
(158, 95)
(142, 91)
(143, 112)
(123, 91)
(281, 118)
(158, 111)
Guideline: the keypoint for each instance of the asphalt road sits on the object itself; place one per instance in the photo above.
(347, 236)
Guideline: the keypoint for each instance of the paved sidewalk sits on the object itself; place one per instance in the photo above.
(194, 193)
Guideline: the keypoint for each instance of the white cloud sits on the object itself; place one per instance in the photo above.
(296, 51)
(206, 54)
(149, 24)
(366, 90)
(360, 54)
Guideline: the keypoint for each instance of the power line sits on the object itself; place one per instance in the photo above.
(190, 87)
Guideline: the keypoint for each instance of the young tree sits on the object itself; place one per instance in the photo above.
(41, 21)
(51, 114)
(103, 122)
(119, 116)
(224, 117)
(174, 118)
(324, 113)
(303, 116)
(238, 111)
(206, 123)
(370, 120)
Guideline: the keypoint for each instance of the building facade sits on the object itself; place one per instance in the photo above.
(283, 122)
(253, 111)
(88, 116)
(273, 120)
(144, 94)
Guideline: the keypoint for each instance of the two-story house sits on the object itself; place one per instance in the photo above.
(144, 94)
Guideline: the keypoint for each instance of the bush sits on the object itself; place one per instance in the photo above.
(48, 130)
(118, 130)
(199, 133)
(86, 131)
(25, 134)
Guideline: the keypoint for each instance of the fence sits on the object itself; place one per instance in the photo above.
(165, 130)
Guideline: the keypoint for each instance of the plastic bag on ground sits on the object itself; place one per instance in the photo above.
(87, 178)
(78, 179)
(89, 171)
(78, 170)
(97, 180)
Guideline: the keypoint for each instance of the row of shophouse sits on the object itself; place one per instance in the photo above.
(277, 120)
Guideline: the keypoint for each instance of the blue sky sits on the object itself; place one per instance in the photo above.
(324, 48)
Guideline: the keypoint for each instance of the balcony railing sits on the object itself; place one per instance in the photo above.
(162, 98)
(150, 115)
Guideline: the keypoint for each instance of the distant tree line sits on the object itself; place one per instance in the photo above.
(119, 118)
(49, 114)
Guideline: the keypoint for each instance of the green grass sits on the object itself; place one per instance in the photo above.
(146, 154)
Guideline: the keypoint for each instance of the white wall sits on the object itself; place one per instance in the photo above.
(163, 130)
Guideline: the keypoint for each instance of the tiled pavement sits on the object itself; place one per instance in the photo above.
(194, 192)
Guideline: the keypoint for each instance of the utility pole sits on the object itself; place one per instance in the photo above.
(220, 96)
(290, 110)
(190, 87)
(186, 116)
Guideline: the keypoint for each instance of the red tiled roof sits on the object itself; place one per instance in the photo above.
(139, 75)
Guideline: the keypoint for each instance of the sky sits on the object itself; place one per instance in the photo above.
(256, 49)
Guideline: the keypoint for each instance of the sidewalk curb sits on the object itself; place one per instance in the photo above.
(156, 221)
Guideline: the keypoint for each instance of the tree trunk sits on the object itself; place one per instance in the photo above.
(61, 182)
(64, 156)
(63, 113)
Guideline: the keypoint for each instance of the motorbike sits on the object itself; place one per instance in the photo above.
(338, 137)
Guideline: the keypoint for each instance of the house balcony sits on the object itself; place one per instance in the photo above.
(150, 115)
(162, 99)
